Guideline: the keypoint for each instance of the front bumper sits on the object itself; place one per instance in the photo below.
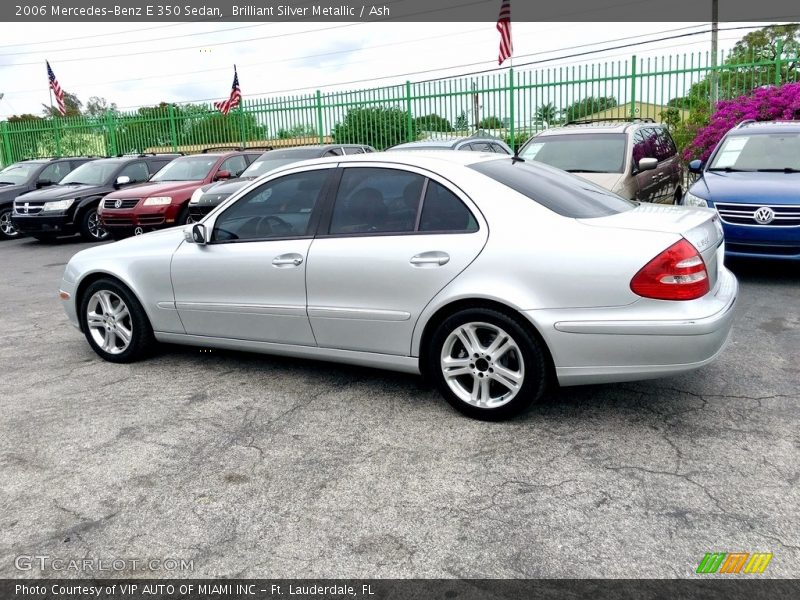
(149, 217)
(198, 211)
(766, 241)
(55, 224)
(649, 339)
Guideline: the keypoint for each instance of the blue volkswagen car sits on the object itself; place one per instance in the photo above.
(752, 179)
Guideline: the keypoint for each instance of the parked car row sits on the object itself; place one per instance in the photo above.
(750, 179)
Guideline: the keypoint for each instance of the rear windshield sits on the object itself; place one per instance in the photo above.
(579, 152)
(565, 194)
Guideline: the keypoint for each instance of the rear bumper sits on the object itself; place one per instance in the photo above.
(57, 224)
(646, 340)
(69, 304)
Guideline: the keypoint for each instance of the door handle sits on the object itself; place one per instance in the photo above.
(287, 260)
(434, 258)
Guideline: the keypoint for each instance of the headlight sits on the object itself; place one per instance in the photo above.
(58, 205)
(196, 196)
(692, 200)
(158, 201)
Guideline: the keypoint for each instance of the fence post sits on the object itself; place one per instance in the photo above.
(6, 144)
(111, 147)
(633, 86)
(242, 128)
(173, 128)
(57, 136)
(778, 62)
(320, 129)
(409, 118)
(513, 143)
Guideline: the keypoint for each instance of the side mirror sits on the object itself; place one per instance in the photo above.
(647, 164)
(123, 180)
(199, 234)
(696, 166)
(222, 175)
(43, 183)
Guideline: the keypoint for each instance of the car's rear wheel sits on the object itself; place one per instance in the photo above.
(7, 229)
(487, 364)
(91, 228)
(678, 197)
(114, 322)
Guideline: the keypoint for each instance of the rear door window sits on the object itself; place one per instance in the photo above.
(234, 165)
(443, 211)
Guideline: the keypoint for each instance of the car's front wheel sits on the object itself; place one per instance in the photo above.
(114, 322)
(7, 229)
(487, 364)
(92, 229)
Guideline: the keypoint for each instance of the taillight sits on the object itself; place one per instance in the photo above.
(678, 273)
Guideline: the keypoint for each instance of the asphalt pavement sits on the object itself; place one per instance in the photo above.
(217, 463)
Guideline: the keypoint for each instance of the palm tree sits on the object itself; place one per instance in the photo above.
(547, 113)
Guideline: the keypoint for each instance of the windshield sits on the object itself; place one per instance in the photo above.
(261, 166)
(579, 152)
(758, 152)
(187, 168)
(96, 172)
(17, 174)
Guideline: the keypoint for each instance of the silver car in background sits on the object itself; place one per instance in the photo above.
(492, 276)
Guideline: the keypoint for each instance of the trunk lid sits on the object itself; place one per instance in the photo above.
(700, 226)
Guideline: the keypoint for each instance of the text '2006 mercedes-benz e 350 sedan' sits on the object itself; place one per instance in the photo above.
(493, 276)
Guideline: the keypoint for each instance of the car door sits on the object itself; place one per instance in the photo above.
(393, 238)
(670, 165)
(248, 281)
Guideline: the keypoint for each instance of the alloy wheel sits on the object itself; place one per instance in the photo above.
(482, 365)
(6, 226)
(109, 322)
(95, 228)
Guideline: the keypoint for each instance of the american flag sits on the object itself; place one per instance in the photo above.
(56, 87)
(504, 27)
(233, 100)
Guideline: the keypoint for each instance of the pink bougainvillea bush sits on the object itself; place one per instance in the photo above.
(762, 104)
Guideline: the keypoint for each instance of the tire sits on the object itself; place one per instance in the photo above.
(677, 199)
(482, 390)
(90, 227)
(7, 230)
(114, 322)
(184, 218)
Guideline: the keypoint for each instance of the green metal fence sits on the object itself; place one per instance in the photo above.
(513, 104)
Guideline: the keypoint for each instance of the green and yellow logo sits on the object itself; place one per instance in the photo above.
(734, 562)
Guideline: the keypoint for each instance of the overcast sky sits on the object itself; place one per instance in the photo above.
(136, 64)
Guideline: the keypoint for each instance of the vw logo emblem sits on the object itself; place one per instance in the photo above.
(118, 204)
(764, 215)
(138, 231)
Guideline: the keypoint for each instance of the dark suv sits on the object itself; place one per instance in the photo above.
(26, 176)
(71, 206)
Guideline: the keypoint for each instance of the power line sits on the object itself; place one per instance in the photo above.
(480, 72)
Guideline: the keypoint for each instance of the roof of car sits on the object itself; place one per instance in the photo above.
(448, 142)
(750, 127)
(420, 158)
(599, 126)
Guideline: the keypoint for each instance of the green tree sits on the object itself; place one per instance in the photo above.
(376, 126)
(97, 107)
(589, 105)
(490, 123)
(547, 113)
(462, 123)
(433, 122)
(72, 107)
(298, 131)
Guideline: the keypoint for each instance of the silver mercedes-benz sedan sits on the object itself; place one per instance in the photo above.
(492, 276)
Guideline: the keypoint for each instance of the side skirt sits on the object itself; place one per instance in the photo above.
(404, 364)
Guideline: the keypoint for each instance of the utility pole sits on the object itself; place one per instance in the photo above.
(714, 80)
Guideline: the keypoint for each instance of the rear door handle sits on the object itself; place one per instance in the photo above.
(434, 258)
(287, 260)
